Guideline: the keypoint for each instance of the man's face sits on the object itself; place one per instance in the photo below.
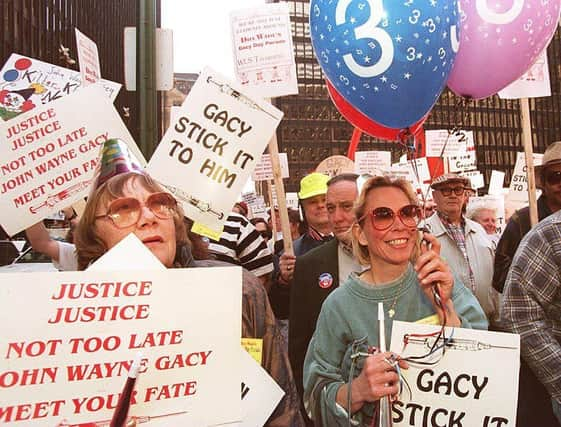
(341, 197)
(449, 198)
(552, 186)
(314, 209)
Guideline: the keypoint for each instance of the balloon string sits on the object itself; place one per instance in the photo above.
(353, 145)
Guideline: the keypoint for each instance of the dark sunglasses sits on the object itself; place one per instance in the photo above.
(125, 211)
(383, 218)
(447, 191)
(553, 178)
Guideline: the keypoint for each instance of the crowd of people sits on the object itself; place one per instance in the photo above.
(357, 242)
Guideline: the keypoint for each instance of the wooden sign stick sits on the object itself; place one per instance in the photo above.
(529, 154)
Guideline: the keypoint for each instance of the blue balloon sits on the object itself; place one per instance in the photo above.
(390, 59)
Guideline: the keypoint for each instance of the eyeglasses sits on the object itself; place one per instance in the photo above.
(383, 218)
(447, 191)
(125, 211)
(553, 178)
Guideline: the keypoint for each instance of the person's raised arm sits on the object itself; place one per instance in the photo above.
(41, 241)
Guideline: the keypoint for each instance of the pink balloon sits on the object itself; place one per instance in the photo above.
(499, 42)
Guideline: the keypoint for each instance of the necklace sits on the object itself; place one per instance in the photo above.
(391, 310)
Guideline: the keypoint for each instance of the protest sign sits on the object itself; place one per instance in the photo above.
(74, 344)
(476, 178)
(26, 83)
(496, 183)
(210, 150)
(372, 162)
(475, 382)
(292, 201)
(463, 162)
(88, 58)
(263, 52)
(50, 153)
(264, 169)
(518, 190)
(442, 143)
(336, 165)
(534, 83)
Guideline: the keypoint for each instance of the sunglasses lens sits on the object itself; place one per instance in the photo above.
(162, 205)
(124, 211)
(382, 218)
(553, 178)
(410, 215)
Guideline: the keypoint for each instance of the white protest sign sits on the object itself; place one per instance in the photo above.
(28, 83)
(463, 162)
(476, 179)
(534, 83)
(88, 58)
(264, 169)
(292, 201)
(496, 183)
(49, 155)
(335, 165)
(263, 52)
(453, 144)
(372, 162)
(209, 151)
(82, 330)
(420, 169)
(518, 190)
(404, 171)
(475, 383)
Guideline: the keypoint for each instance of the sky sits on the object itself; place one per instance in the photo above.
(201, 33)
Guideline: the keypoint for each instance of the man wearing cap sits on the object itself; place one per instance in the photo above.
(320, 271)
(313, 188)
(533, 398)
(465, 244)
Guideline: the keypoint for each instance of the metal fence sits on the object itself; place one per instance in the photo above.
(312, 128)
(42, 28)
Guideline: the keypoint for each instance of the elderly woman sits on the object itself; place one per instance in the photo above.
(133, 203)
(385, 237)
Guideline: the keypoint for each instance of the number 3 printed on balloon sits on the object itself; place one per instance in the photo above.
(368, 30)
(499, 18)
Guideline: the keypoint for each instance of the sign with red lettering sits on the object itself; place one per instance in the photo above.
(50, 153)
(27, 83)
(212, 146)
(474, 382)
(67, 354)
(263, 51)
(88, 58)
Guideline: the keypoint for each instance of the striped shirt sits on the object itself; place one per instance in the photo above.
(241, 244)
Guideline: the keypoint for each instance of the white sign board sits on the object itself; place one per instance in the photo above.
(463, 162)
(518, 190)
(372, 162)
(534, 83)
(80, 340)
(27, 83)
(335, 165)
(292, 201)
(49, 155)
(264, 168)
(496, 183)
(476, 178)
(475, 383)
(442, 143)
(210, 150)
(88, 58)
(263, 52)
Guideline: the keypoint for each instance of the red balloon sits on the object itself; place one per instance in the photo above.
(362, 122)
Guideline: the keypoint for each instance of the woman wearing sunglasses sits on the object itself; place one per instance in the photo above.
(402, 276)
(132, 202)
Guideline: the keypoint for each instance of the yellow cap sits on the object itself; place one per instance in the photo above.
(312, 185)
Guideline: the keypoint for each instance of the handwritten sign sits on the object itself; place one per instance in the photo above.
(534, 83)
(476, 178)
(68, 354)
(442, 143)
(372, 162)
(263, 52)
(26, 83)
(463, 162)
(210, 150)
(474, 384)
(88, 58)
(49, 155)
(336, 165)
(264, 168)
(518, 190)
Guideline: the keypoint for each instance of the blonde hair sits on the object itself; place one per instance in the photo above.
(89, 245)
(361, 251)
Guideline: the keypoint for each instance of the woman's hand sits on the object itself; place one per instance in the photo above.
(435, 275)
(377, 379)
